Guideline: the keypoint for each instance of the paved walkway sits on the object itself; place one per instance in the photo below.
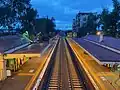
(21, 78)
(104, 78)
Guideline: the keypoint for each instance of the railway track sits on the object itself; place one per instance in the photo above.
(62, 73)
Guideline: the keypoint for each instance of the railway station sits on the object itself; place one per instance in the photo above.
(13, 57)
(60, 45)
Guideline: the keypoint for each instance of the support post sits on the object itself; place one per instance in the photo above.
(3, 73)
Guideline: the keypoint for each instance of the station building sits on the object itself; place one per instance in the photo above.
(9, 60)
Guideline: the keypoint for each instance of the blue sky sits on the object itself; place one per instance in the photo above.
(65, 10)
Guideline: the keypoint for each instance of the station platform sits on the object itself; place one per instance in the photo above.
(101, 77)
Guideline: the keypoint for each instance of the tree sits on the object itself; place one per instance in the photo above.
(28, 20)
(7, 15)
(44, 25)
(115, 17)
(50, 25)
(17, 11)
(110, 20)
(91, 23)
(105, 20)
(44, 28)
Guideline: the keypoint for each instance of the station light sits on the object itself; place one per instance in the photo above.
(98, 33)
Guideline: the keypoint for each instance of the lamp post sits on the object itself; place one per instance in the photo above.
(100, 34)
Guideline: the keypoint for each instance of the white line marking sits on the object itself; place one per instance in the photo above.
(16, 48)
(89, 53)
(87, 72)
(107, 47)
(103, 78)
(45, 48)
(32, 70)
(44, 69)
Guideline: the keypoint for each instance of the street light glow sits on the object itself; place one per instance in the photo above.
(98, 33)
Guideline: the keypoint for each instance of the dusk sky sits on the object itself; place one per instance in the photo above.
(65, 10)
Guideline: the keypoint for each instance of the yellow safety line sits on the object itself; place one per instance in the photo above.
(81, 59)
(31, 82)
(25, 74)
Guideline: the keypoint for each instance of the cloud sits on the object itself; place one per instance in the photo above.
(63, 24)
(65, 10)
(99, 10)
(110, 8)
(68, 10)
